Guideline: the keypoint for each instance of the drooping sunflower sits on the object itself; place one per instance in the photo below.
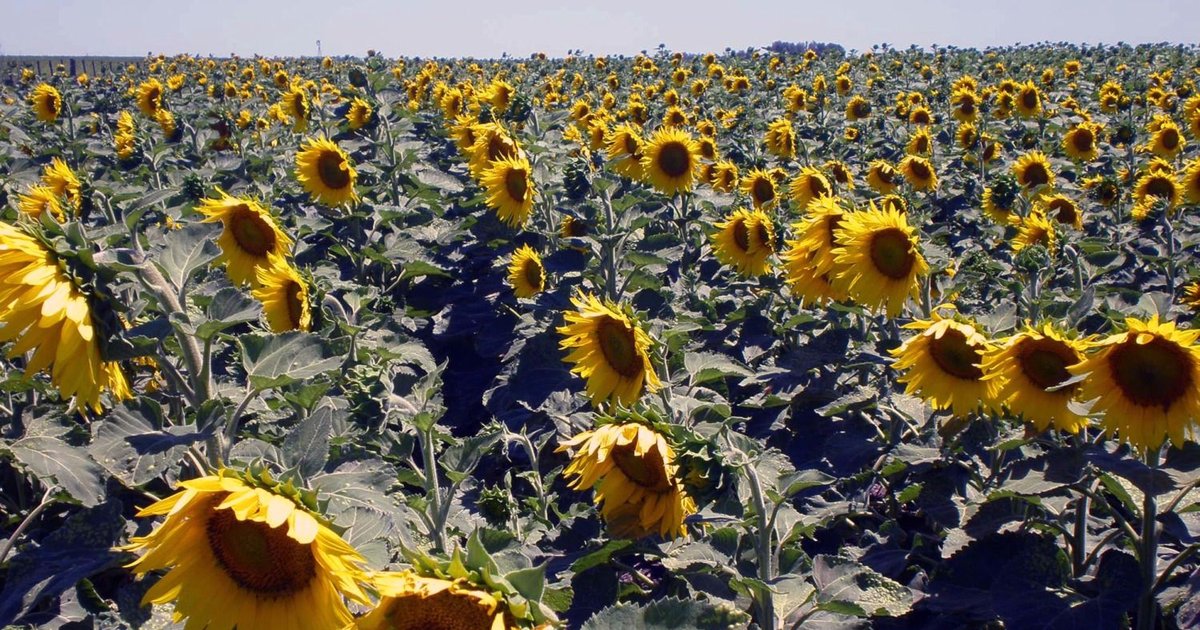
(745, 241)
(499, 94)
(1145, 381)
(918, 172)
(411, 602)
(780, 139)
(610, 350)
(325, 172)
(842, 176)
(510, 190)
(526, 275)
(1035, 229)
(1029, 369)
(246, 554)
(634, 473)
(670, 160)
(44, 310)
(999, 201)
(877, 260)
(1151, 189)
(1081, 142)
(358, 114)
(760, 187)
(46, 102)
(881, 177)
(149, 97)
(251, 235)
(808, 259)
(809, 184)
(941, 364)
(62, 180)
(40, 200)
(724, 176)
(284, 296)
(1033, 171)
(624, 148)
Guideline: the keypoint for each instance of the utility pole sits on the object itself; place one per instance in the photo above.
(319, 48)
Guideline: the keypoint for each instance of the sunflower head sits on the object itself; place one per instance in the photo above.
(149, 97)
(509, 186)
(62, 180)
(409, 601)
(325, 172)
(882, 177)
(918, 172)
(760, 187)
(1035, 229)
(358, 114)
(284, 295)
(243, 550)
(46, 102)
(633, 471)
(780, 139)
(808, 185)
(877, 261)
(526, 275)
(1145, 382)
(250, 236)
(610, 350)
(1033, 172)
(1029, 370)
(671, 160)
(745, 241)
(941, 363)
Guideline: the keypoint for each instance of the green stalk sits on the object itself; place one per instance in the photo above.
(1148, 550)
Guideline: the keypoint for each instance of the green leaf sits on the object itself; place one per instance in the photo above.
(53, 461)
(851, 588)
(229, 307)
(306, 448)
(132, 444)
(709, 366)
(185, 251)
(599, 556)
(530, 583)
(277, 360)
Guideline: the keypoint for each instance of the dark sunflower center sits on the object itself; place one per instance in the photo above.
(763, 190)
(295, 303)
(763, 234)
(631, 144)
(1029, 99)
(533, 273)
(648, 470)
(674, 159)
(333, 170)
(920, 118)
(251, 231)
(1160, 187)
(1169, 139)
(817, 187)
(1044, 362)
(1083, 139)
(260, 558)
(498, 147)
(444, 611)
(1036, 175)
(918, 169)
(619, 346)
(1154, 374)
(967, 107)
(741, 234)
(891, 252)
(955, 356)
(1064, 211)
(516, 183)
(884, 175)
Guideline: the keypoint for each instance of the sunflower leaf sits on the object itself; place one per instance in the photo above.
(185, 251)
(277, 360)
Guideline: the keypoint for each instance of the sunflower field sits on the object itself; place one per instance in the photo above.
(767, 339)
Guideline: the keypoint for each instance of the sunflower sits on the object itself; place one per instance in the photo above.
(610, 350)
(808, 259)
(967, 136)
(780, 139)
(1029, 369)
(1029, 100)
(966, 105)
(166, 122)
(724, 176)
(1167, 140)
(40, 200)
(44, 310)
(492, 143)
(1145, 382)
(670, 161)
(499, 95)
(920, 143)
(46, 102)
(149, 97)
(284, 296)
(1151, 189)
(1191, 182)
(920, 116)
(241, 554)
(634, 473)
(1035, 229)
(882, 177)
(358, 114)
(918, 172)
(295, 105)
(857, 108)
(325, 171)
(1033, 171)
(411, 602)
(1080, 143)
(526, 275)
(1063, 210)
(842, 176)
(760, 187)
(250, 236)
(509, 186)
(999, 201)
(62, 180)
(744, 241)
(624, 148)
(877, 261)
(808, 185)
(941, 364)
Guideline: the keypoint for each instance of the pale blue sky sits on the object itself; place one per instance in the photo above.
(519, 27)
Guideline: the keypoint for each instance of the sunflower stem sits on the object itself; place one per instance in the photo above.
(762, 546)
(433, 489)
(1169, 237)
(1148, 552)
(47, 499)
(219, 455)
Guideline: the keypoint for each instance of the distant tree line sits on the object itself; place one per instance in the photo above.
(823, 49)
